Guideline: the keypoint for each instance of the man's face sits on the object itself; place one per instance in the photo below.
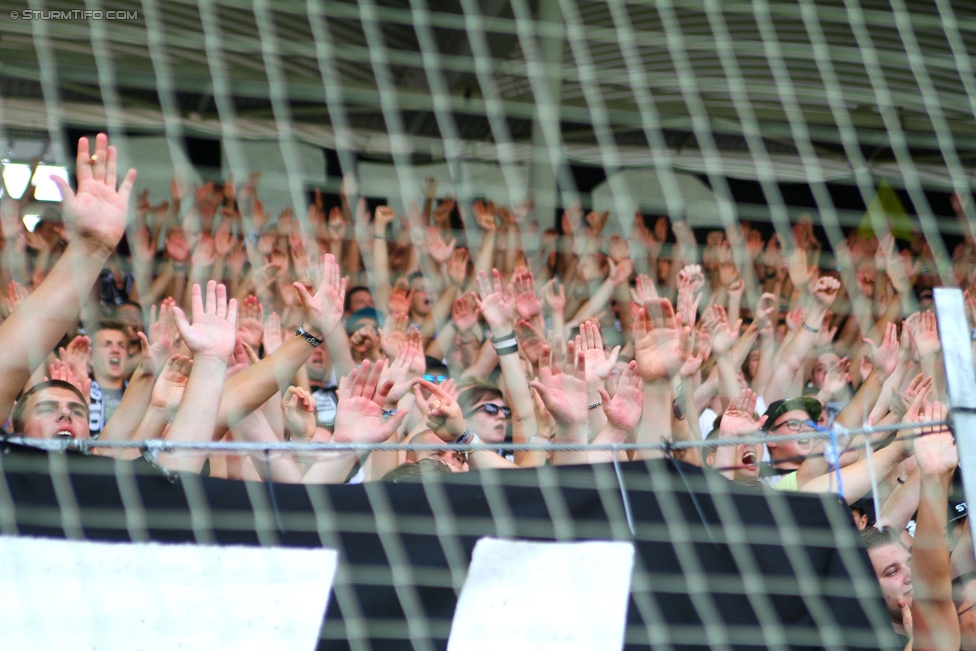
(109, 354)
(317, 363)
(455, 460)
(490, 427)
(892, 566)
(55, 412)
(824, 363)
(361, 299)
(791, 422)
(746, 466)
(420, 303)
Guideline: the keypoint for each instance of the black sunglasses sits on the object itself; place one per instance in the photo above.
(492, 410)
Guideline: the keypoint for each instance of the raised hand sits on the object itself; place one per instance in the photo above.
(168, 390)
(644, 290)
(825, 291)
(417, 360)
(214, 328)
(739, 419)
(59, 370)
(298, 409)
(495, 300)
(925, 333)
(484, 214)
(596, 220)
(438, 249)
(77, 355)
(555, 299)
(617, 248)
(800, 273)
(598, 362)
(223, 240)
(273, 337)
(400, 297)
(722, 334)
(177, 248)
(457, 266)
(900, 402)
(700, 352)
(624, 409)
(530, 340)
(398, 373)
(690, 280)
(443, 415)
(163, 336)
(620, 272)
(935, 449)
(203, 253)
(383, 216)
(464, 313)
(766, 315)
(526, 303)
(323, 310)
(661, 345)
(885, 357)
(359, 414)
(97, 211)
(836, 378)
(16, 293)
(563, 391)
(250, 322)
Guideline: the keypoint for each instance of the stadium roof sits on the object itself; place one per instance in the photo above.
(730, 78)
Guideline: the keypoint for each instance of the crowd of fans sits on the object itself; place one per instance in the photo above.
(175, 321)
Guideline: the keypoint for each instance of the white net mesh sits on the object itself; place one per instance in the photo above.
(823, 126)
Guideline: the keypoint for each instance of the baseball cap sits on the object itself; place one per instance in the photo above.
(808, 404)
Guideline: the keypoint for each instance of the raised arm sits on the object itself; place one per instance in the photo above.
(211, 340)
(935, 623)
(661, 346)
(497, 304)
(359, 419)
(252, 387)
(803, 341)
(564, 394)
(95, 218)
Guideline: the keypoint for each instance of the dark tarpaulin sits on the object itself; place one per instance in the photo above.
(812, 575)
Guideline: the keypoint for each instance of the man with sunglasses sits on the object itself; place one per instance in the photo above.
(785, 418)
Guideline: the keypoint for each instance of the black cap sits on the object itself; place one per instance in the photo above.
(810, 405)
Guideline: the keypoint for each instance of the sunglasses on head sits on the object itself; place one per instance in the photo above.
(492, 410)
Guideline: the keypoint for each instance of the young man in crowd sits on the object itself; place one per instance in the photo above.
(109, 362)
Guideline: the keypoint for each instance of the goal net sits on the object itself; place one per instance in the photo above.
(594, 134)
